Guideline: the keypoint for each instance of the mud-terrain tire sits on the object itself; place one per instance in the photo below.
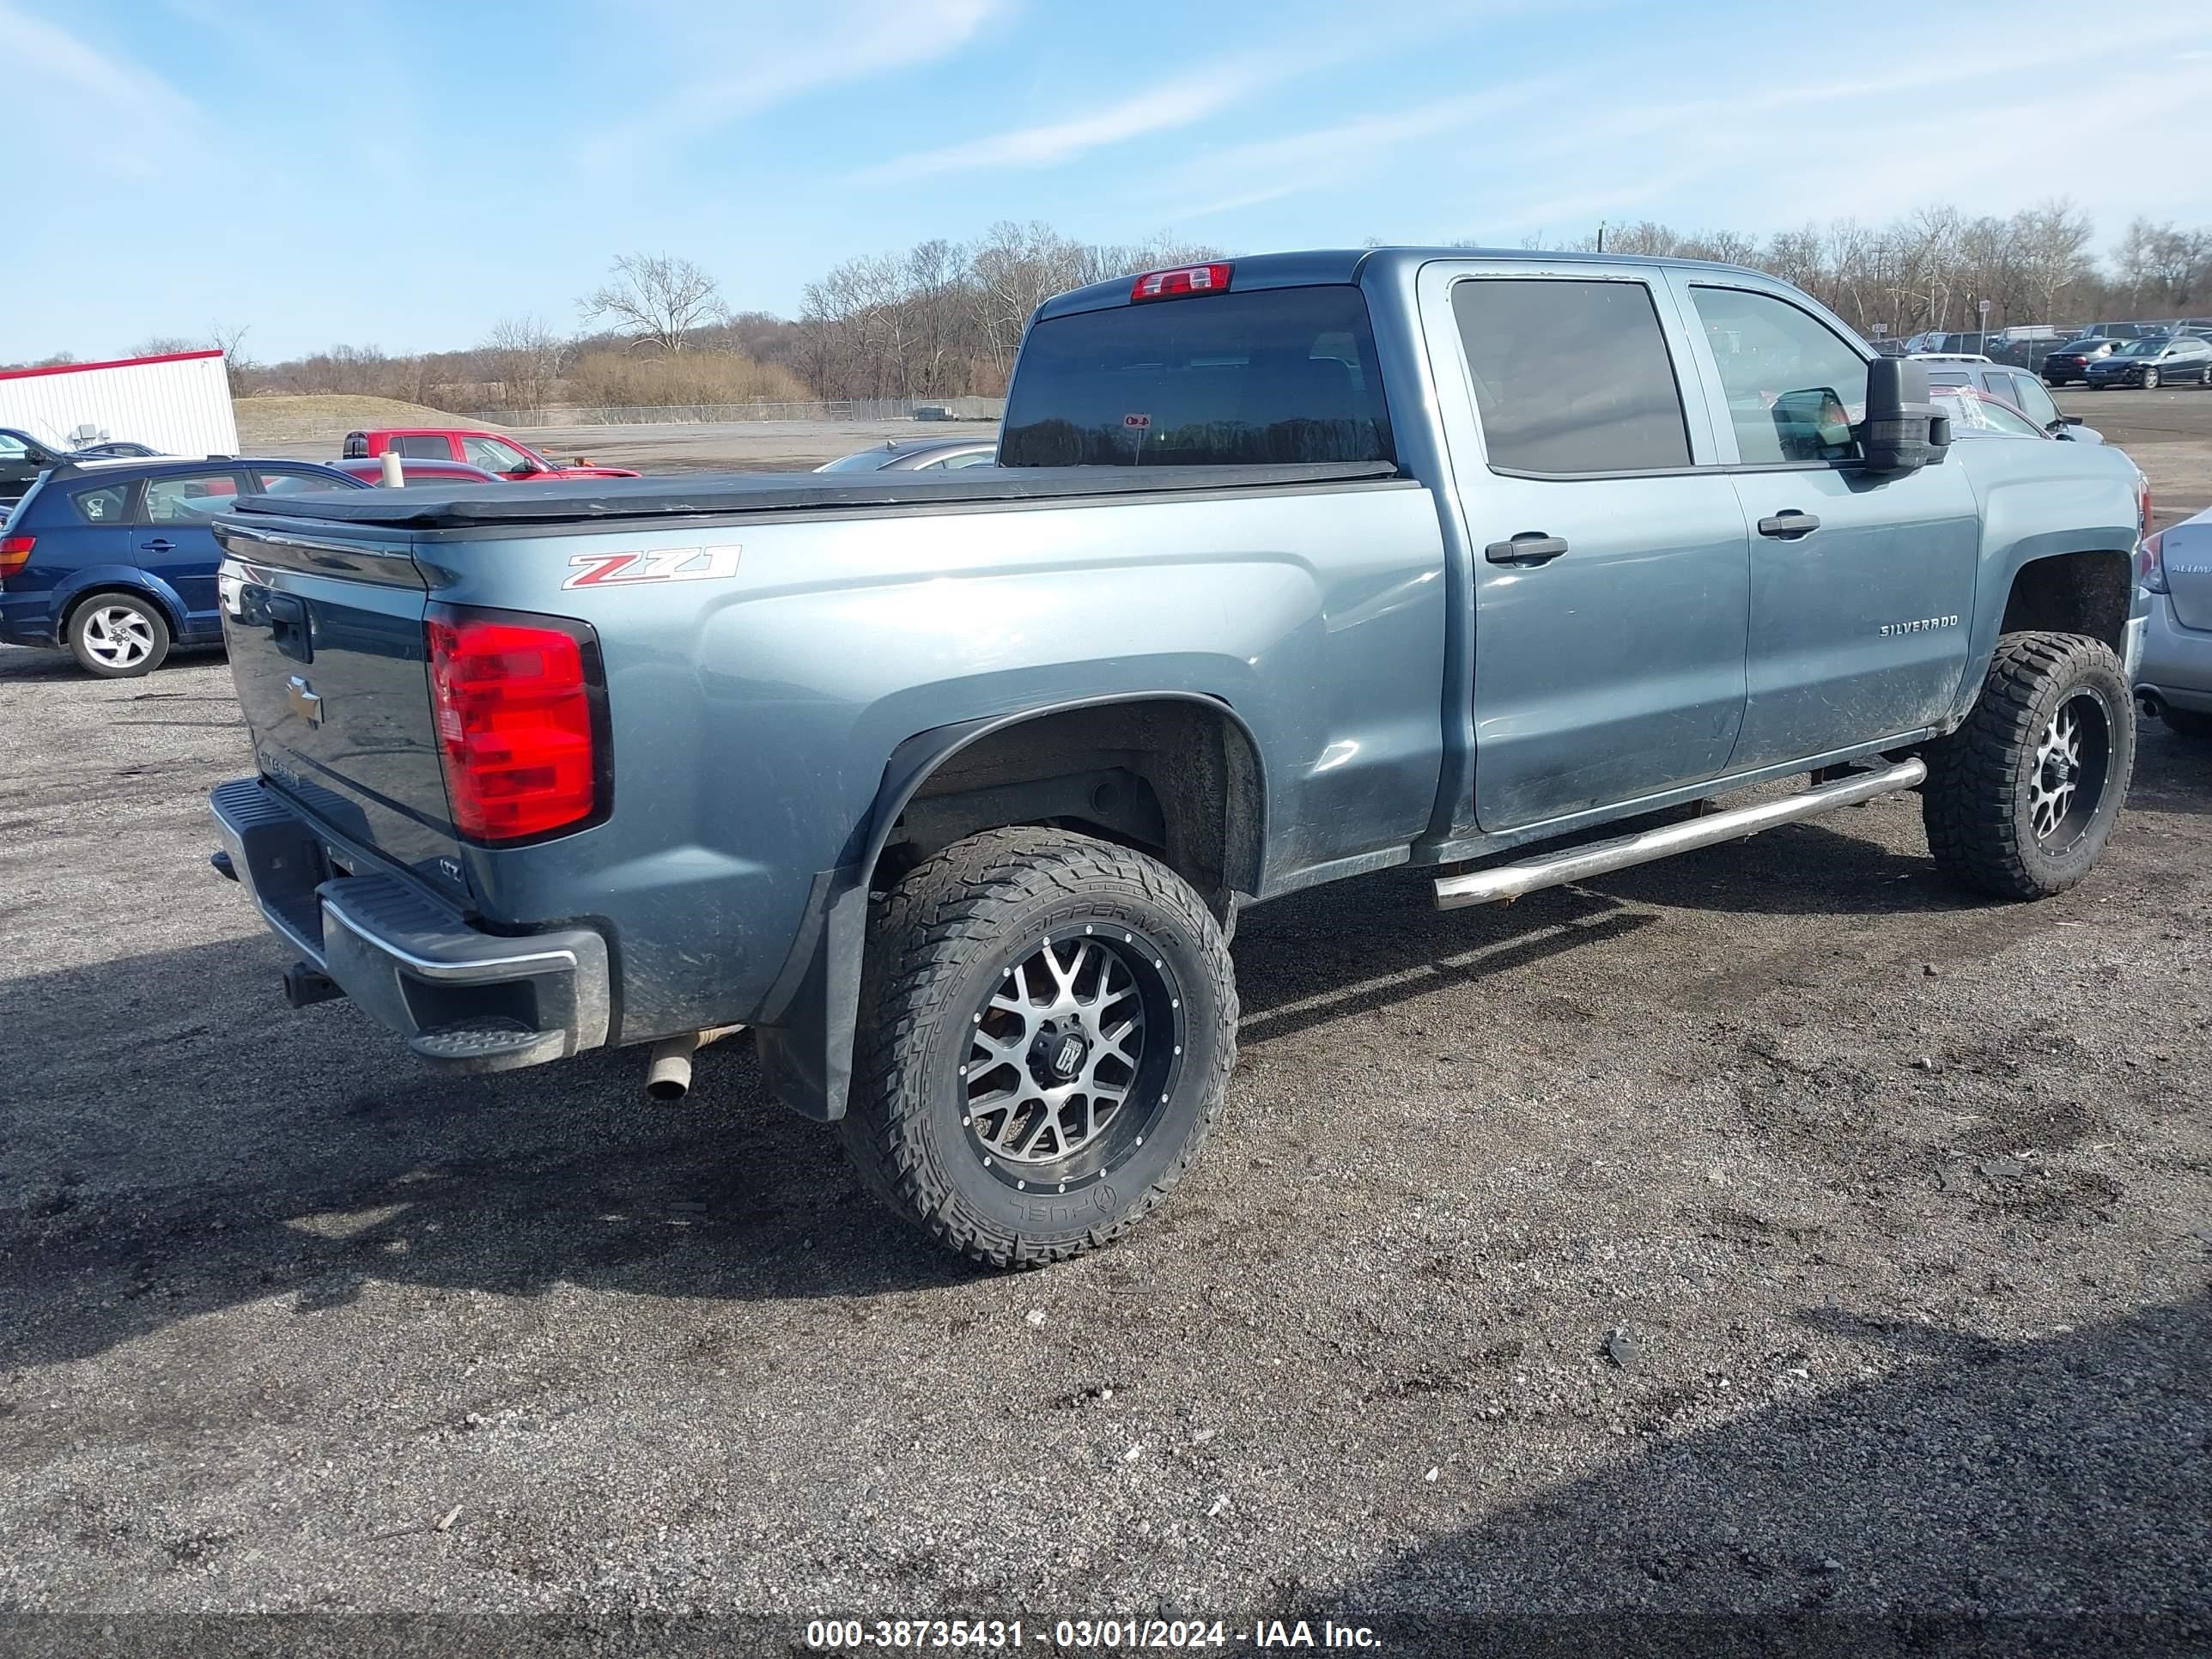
(999, 1100)
(2188, 722)
(118, 636)
(2020, 798)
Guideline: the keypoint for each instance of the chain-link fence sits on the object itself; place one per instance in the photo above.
(852, 409)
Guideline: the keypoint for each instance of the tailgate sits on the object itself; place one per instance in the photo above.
(327, 649)
(2188, 550)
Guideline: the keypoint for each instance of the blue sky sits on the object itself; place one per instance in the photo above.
(404, 174)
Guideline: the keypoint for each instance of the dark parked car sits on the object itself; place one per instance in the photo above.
(2070, 362)
(116, 449)
(413, 474)
(2014, 387)
(2159, 359)
(919, 455)
(114, 559)
(22, 458)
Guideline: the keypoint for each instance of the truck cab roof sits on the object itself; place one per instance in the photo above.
(1264, 270)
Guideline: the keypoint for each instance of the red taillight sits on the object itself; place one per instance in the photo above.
(515, 703)
(2150, 563)
(16, 553)
(1183, 279)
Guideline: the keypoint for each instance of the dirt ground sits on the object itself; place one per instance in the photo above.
(1768, 1230)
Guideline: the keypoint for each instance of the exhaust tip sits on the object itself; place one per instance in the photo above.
(667, 1089)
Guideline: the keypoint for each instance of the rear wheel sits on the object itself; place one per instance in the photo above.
(2021, 798)
(2188, 722)
(1047, 1027)
(118, 636)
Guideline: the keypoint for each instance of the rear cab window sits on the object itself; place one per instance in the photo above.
(422, 447)
(1267, 376)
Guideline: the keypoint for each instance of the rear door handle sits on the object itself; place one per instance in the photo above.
(157, 545)
(1788, 526)
(1529, 547)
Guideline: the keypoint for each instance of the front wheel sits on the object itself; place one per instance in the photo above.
(118, 636)
(2204, 375)
(2150, 379)
(2021, 798)
(1047, 1027)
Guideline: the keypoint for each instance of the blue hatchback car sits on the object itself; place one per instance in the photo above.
(115, 562)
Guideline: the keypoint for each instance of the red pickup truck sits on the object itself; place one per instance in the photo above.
(488, 450)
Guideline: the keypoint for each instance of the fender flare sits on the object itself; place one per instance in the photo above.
(118, 578)
(804, 1037)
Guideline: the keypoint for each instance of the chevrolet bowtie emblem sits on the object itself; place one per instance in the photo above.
(307, 702)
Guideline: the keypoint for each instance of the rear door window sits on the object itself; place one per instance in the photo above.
(1571, 376)
(1280, 376)
(425, 447)
(189, 498)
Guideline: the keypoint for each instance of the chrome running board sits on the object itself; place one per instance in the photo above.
(1510, 881)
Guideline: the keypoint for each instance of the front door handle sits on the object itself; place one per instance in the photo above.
(1789, 526)
(157, 545)
(1529, 547)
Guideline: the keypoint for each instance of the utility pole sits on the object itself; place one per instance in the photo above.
(1600, 236)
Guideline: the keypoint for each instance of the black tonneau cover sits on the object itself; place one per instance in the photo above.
(667, 497)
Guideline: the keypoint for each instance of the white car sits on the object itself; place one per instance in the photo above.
(2174, 679)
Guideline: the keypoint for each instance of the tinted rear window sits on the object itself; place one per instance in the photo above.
(1571, 376)
(1280, 376)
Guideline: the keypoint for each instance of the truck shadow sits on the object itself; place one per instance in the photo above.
(2038, 1485)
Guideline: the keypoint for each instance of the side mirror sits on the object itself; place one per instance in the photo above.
(524, 469)
(2069, 419)
(1812, 422)
(1903, 431)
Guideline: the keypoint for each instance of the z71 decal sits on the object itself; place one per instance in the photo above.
(667, 564)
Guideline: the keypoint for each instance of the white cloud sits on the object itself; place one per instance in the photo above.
(1267, 169)
(834, 45)
(98, 113)
(1172, 104)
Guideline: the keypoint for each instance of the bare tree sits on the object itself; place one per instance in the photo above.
(167, 345)
(524, 356)
(231, 341)
(655, 298)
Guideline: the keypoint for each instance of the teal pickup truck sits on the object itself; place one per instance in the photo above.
(1293, 568)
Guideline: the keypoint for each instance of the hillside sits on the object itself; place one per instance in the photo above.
(281, 419)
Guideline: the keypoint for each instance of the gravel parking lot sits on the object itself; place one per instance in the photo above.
(1768, 1230)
